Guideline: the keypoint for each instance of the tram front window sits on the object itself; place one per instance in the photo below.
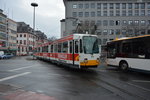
(90, 45)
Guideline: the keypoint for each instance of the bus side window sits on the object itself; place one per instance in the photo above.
(76, 46)
(70, 49)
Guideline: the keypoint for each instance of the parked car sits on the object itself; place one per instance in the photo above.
(8, 55)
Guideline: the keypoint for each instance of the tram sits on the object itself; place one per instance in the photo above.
(77, 50)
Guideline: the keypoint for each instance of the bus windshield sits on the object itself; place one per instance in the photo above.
(90, 45)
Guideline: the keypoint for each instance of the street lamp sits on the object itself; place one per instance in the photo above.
(34, 5)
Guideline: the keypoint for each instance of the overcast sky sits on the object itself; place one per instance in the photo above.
(48, 14)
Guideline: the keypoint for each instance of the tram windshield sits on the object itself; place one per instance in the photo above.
(90, 45)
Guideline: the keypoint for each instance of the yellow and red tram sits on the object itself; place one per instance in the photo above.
(77, 50)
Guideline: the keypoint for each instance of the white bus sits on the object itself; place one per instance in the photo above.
(133, 52)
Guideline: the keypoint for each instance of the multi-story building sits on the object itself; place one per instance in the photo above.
(109, 19)
(3, 31)
(12, 36)
(25, 39)
(40, 37)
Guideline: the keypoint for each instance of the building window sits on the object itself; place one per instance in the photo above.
(111, 32)
(104, 13)
(130, 13)
(98, 13)
(136, 12)
(104, 41)
(117, 13)
(92, 14)
(20, 35)
(92, 5)
(124, 22)
(117, 31)
(20, 41)
(111, 6)
(136, 22)
(148, 31)
(105, 23)
(148, 5)
(130, 22)
(124, 6)
(105, 6)
(98, 5)
(86, 6)
(74, 6)
(99, 23)
(80, 14)
(86, 14)
(111, 13)
(74, 14)
(148, 12)
(105, 32)
(143, 31)
(117, 22)
(80, 6)
(24, 35)
(123, 13)
(142, 12)
(24, 42)
(143, 22)
(123, 32)
(117, 5)
(129, 5)
(111, 23)
(142, 5)
(136, 5)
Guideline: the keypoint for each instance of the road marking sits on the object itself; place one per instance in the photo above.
(139, 87)
(20, 68)
(143, 81)
(14, 76)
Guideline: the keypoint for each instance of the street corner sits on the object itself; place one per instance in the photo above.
(26, 95)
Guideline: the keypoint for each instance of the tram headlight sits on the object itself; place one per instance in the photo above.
(85, 60)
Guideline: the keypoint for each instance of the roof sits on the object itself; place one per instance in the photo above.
(127, 38)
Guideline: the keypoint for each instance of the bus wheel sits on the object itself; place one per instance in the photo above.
(123, 66)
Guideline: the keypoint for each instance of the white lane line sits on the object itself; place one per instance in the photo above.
(142, 81)
(14, 76)
(139, 87)
(20, 68)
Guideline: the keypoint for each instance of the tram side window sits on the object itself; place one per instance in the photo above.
(59, 47)
(55, 48)
(70, 49)
(39, 49)
(76, 46)
(65, 47)
(51, 48)
(81, 50)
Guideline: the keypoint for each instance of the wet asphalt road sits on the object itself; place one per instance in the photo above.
(61, 83)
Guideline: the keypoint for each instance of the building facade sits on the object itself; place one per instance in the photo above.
(3, 31)
(12, 36)
(25, 39)
(109, 19)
